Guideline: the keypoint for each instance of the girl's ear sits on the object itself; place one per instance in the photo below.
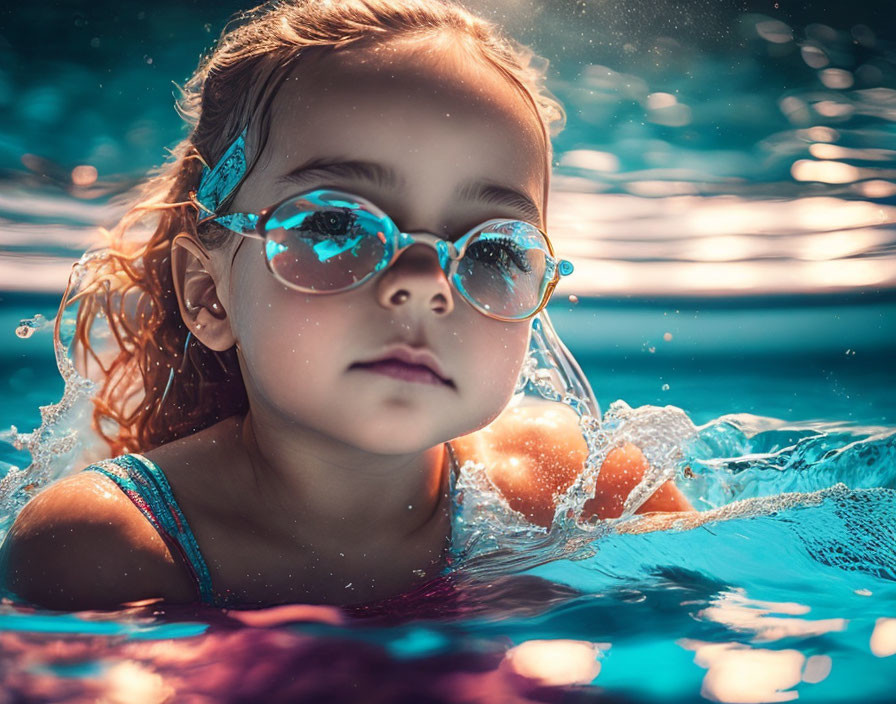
(197, 294)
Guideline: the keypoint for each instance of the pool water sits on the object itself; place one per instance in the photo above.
(793, 598)
(735, 273)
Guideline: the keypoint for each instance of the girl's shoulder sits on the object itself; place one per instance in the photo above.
(82, 543)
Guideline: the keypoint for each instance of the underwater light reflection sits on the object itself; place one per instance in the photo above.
(630, 245)
(741, 674)
(883, 638)
(741, 613)
(556, 662)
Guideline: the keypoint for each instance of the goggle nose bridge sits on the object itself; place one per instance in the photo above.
(445, 250)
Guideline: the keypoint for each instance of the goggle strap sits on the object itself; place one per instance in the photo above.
(216, 184)
(241, 223)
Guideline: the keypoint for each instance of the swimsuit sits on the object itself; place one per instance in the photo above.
(144, 483)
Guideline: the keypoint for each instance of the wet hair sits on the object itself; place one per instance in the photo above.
(156, 383)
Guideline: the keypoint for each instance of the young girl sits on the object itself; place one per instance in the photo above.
(337, 292)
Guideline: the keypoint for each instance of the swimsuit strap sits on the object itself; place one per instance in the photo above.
(144, 483)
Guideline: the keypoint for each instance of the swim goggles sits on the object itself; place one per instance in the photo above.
(329, 241)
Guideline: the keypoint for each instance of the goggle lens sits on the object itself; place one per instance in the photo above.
(326, 245)
(324, 242)
(505, 269)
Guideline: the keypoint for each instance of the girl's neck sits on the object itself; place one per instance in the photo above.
(311, 480)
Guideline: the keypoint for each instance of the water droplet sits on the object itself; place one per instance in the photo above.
(665, 387)
(667, 336)
(573, 299)
(27, 327)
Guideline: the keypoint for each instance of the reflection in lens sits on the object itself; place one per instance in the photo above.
(505, 269)
(324, 244)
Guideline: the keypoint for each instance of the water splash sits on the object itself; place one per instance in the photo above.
(734, 469)
(54, 444)
(486, 530)
(742, 456)
(490, 536)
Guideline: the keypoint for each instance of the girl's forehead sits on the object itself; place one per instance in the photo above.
(427, 115)
(444, 67)
(436, 85)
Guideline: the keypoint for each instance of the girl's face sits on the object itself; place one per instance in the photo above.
(429, 123)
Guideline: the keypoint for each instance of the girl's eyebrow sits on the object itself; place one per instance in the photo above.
(386, 177)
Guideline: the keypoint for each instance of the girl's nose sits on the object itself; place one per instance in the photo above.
(416, 279)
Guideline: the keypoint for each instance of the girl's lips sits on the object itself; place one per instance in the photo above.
(405, 371)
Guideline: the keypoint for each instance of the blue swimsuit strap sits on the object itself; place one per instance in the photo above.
(144, 483)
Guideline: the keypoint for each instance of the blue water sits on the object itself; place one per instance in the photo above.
(713, 276)
(810, 580)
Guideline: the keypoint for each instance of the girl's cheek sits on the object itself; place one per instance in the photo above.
(265, 322)
(503, 349)
(262, 305)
